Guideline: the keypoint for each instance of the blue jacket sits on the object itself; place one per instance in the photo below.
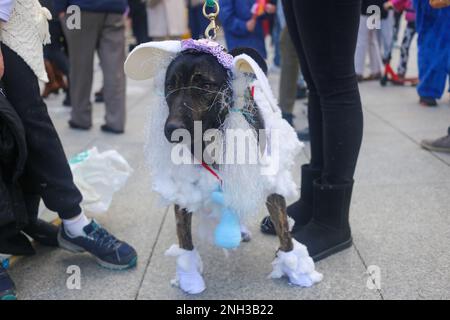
(108, 6)
(234, 15)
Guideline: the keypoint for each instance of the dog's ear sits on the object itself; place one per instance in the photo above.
(252, 53)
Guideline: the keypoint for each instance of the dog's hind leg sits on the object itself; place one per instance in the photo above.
(183, 219)
(276, 205)
(189, 264)
(292, 259)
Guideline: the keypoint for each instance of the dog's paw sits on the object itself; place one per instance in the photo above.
(246, 235)
(297, 265)
(189, 270)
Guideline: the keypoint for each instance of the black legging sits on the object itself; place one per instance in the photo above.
(324, 34)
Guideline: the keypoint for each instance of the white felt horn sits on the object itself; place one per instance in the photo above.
(147, 59)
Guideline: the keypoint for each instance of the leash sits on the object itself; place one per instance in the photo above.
(212, 27)
(215, 174)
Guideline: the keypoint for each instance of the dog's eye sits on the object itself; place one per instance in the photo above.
(207, 86)
(170, 87)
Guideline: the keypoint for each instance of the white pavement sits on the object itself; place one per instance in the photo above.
(400, 217)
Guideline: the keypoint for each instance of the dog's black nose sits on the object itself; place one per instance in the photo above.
(171, 126)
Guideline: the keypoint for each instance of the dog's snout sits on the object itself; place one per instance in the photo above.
(171, 127)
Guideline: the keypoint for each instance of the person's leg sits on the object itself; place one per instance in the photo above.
(432, 72)
(361, 46)
(376, 65)
(328, 31)
(302, 210)
(387, 27)
(410, 31)
(289, 74)
(47, 168)
(138, 14)
(112, 54)
(82, 43)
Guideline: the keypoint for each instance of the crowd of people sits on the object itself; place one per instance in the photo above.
(310, 55)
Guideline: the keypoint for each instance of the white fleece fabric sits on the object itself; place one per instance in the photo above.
(297, 266)
(189, 270)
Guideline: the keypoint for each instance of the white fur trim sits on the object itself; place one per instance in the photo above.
(297, 265)
(189, 270)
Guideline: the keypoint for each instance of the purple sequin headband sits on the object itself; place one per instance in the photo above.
(211, 47)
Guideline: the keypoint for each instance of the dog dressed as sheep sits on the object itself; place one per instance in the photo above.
(207, 100)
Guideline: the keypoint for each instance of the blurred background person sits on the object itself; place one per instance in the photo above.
(406, 6)
(197, 21)
(242, 22)
(368, 41)
(139, 22)
(102, 31)
(433, 28)
(55, 55)
(386, 31)
(167, 19)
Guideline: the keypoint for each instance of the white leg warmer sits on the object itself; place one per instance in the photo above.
(189, 270)
(297, 265)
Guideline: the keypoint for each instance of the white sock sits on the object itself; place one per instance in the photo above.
(74, 227)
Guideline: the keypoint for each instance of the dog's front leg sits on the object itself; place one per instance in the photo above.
(189, 264)
(292, 259)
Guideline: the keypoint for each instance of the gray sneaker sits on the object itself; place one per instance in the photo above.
(439, 145)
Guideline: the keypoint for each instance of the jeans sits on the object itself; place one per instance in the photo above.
(47, 172)
(324, 34)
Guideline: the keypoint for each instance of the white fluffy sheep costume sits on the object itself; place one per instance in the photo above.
(245, 186)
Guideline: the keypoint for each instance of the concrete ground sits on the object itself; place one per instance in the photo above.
(400, 217)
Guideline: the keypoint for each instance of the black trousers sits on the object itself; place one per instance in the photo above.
(324, 34)
(138, 15)
(47, 173)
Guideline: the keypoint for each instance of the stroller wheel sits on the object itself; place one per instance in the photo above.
(383, 81)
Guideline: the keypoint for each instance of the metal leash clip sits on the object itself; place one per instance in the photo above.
(212, 18)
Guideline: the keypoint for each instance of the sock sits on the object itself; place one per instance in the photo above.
(74, 227)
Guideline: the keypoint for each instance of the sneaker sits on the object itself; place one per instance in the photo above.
(428, 102)
(7, 288)
(110, 252)
(439, 145)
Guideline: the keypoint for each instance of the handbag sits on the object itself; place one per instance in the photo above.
(439, 4)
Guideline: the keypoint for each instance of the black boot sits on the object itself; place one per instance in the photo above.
(328, 232)
(301, 211)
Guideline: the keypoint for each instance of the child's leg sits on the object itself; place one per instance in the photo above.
(376, 65)
(361, 46)
(410, 31)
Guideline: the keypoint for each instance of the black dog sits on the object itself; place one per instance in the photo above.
(196, 88)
